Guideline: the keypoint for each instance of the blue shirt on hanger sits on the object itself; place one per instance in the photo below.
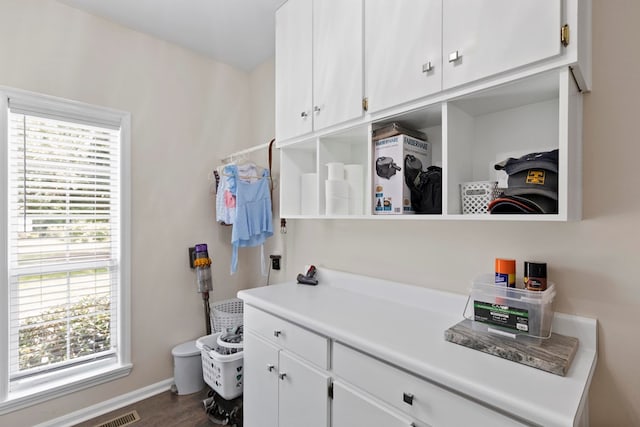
(253, 223)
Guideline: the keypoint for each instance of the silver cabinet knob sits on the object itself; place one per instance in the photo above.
(316, 109)
(277, 333)
(427, 67)
(270, 367)
(304, 115)
(454, 56)
(282, 375)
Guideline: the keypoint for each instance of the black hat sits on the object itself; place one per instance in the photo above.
(529, 204)
(533, 173)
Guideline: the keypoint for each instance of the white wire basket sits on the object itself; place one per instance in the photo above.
(226, 315)
(222, 367)
(477, 195)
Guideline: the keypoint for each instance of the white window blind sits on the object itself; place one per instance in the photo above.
(64, 244)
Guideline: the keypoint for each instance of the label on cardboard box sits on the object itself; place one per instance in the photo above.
(501, 315)
(391, 193)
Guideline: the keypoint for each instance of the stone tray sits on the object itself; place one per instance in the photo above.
(552, 355)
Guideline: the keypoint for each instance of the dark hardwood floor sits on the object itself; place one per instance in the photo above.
(165, 410)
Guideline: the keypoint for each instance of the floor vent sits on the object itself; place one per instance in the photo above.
(122, 420)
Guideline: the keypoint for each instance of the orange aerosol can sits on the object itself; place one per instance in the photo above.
(506, 272)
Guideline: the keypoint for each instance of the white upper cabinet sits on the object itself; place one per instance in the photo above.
(403, 51)
(318, 65)
(483, 80)
(294, 64)
(294, 87)
(337, 61)
(485, 37)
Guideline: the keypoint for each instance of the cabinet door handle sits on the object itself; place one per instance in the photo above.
(282, 375)
(427, 67)
(270, 367)
(304, 115)
(316, 109)
(407, 398)
(277, 333)
(454, 56)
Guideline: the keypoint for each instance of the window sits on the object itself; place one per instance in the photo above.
(65, 213)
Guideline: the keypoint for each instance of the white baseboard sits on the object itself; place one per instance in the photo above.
(110, 405)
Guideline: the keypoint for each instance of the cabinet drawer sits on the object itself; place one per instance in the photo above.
(306, 344)
(351, 408)
(417, 397)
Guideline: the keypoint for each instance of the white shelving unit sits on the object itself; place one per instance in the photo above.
(528, 102)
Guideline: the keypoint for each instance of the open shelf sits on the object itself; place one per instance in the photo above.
(468, 135)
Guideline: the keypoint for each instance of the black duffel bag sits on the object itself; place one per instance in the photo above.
(425, 186)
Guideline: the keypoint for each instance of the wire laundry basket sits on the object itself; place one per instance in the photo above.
(226, 314)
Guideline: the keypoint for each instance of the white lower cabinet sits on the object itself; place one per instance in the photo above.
(281, 389)
(286, 383)
(288, 379)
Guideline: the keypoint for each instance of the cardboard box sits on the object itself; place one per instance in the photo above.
(393, 129)
(393, 158)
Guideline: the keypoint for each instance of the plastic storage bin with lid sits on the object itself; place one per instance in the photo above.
(512, 312)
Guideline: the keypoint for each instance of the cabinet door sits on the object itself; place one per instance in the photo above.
(260, 383)
(303, 394)
(351, 408)
(403, 51)
(293, 69)
(337, 61)
(485, 37)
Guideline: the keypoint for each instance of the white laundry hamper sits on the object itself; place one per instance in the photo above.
(222, 366)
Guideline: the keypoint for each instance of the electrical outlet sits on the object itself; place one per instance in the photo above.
(275, 261)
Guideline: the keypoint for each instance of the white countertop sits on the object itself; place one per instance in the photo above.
(404, 325)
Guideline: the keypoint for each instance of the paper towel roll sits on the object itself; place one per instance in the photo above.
(337, 206)
(356, 205)
(353, 172)
(335, 171)
(309, 194)
(336, 188)
(354, 175)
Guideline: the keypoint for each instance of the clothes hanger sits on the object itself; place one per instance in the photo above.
(259, 170)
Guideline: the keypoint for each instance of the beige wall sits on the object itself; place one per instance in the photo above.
(591, 260)
(594, 262)
(187, 112)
